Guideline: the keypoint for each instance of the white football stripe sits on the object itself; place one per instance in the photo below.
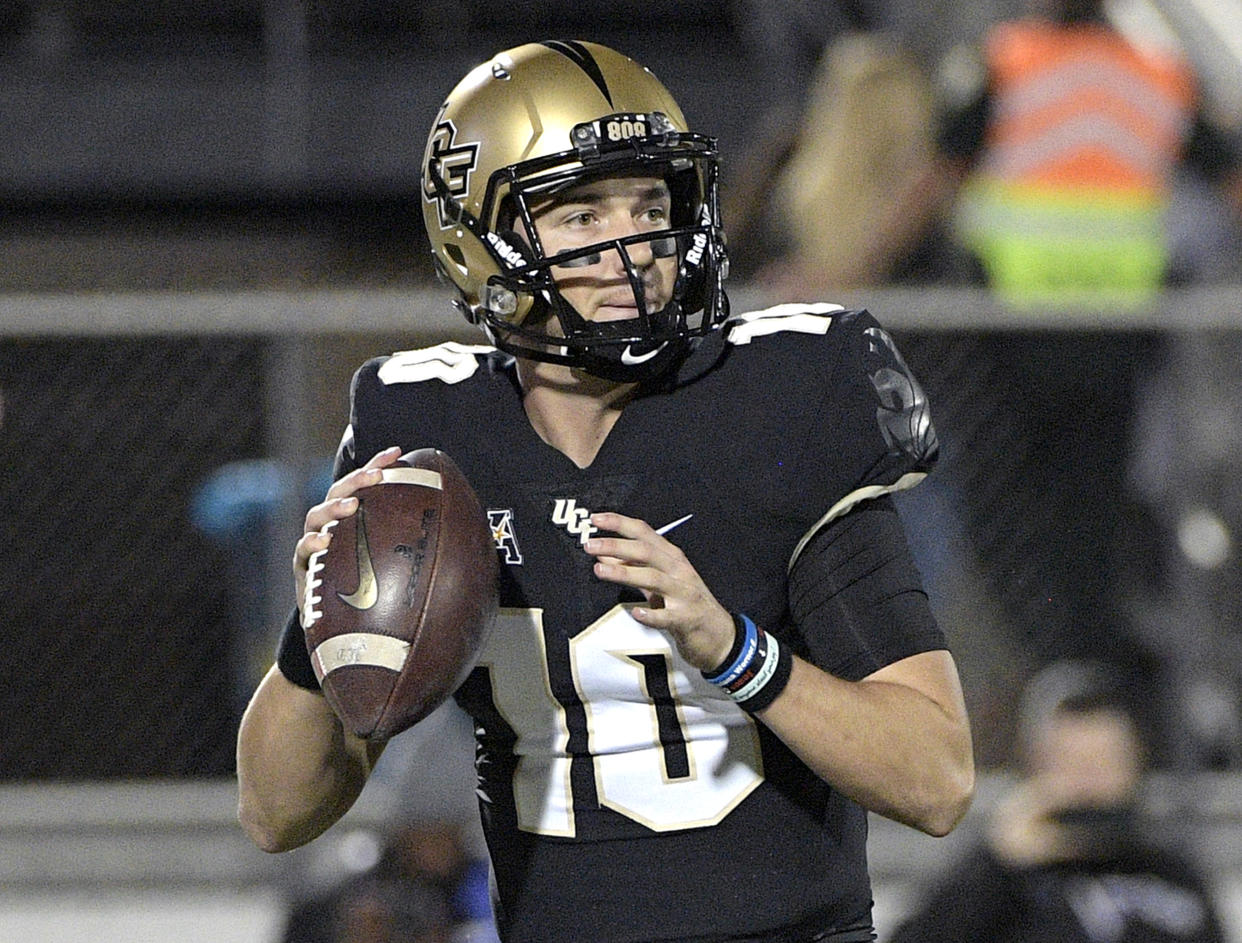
(413, 476)
(359, 648)
(865, 493)
(802, 318)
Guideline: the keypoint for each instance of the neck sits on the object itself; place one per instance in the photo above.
(571, 411)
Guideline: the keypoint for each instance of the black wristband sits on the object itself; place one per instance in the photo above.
(776, 682)
(757, 668)
(292, 657)
(739, 639)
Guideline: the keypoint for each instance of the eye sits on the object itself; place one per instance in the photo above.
(579, 218)
(655, 215)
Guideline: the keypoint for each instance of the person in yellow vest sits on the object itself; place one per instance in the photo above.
(1068, 152)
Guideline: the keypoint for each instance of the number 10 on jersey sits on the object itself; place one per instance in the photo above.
(668, 750)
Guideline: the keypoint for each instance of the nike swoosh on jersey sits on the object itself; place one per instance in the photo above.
(367, 593)
(677, 523)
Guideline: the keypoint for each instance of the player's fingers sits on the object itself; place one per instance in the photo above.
(636, 540)
(333, 509)
(358, 478)
(657, 614)
(308, 544)
(615, 549)
(645, 578)
(662, 558)
(384, 458)
(631, 527)
(369, 474)
(660, 589)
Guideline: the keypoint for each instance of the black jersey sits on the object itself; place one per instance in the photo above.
(623, 797)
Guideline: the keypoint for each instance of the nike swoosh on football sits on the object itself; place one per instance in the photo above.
(677, 523)
(367, 593)
(630, 359)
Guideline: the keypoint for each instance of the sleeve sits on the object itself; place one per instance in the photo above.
(883, 405)
(292, 656)
(873, 433)
(346, 459)
(360, 394)
(856, 595)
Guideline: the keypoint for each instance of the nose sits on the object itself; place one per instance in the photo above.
(642, 252)
(640, 255)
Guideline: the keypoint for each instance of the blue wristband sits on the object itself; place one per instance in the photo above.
(748, 645)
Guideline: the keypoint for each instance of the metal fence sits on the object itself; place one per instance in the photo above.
(118, 610)
(159, 450)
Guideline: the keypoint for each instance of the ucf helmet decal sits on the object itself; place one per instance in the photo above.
(453, 163)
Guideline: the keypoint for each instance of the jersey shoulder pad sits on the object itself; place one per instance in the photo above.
(799, 318)
(881, 437)
(449, 362)
(890, 391)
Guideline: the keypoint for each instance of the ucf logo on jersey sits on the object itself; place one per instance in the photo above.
(576, 520)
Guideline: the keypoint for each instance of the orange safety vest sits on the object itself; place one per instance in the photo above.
(1067, 204)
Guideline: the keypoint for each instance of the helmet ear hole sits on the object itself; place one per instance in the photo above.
(453, 251)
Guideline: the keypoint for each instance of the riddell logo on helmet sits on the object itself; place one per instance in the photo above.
(511, 255)
(694, 255)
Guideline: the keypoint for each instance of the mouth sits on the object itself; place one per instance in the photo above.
(620, 306)
(616, 309)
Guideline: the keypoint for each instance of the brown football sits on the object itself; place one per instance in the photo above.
(399, 605)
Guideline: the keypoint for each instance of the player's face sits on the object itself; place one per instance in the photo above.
(599, 211)
(1092, 758)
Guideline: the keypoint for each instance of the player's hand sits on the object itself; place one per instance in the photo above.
(678, 602)
(1025, 832)
(338, 503)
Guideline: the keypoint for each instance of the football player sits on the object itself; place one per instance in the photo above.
(714, 655)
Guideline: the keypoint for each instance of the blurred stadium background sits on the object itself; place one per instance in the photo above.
(209, 217)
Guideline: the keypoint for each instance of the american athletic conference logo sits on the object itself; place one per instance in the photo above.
(503, 535)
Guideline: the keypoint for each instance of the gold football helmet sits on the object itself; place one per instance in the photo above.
(542, 118)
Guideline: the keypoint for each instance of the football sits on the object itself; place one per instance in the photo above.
(400, 603)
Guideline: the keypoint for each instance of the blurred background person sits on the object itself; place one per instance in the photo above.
(1067, 855)
(814, 200)
(1055, 159)
(1066, 137)
(425, 887)
(1053, 156)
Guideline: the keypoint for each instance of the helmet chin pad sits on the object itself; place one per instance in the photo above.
(630, 350)
(633, 362)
